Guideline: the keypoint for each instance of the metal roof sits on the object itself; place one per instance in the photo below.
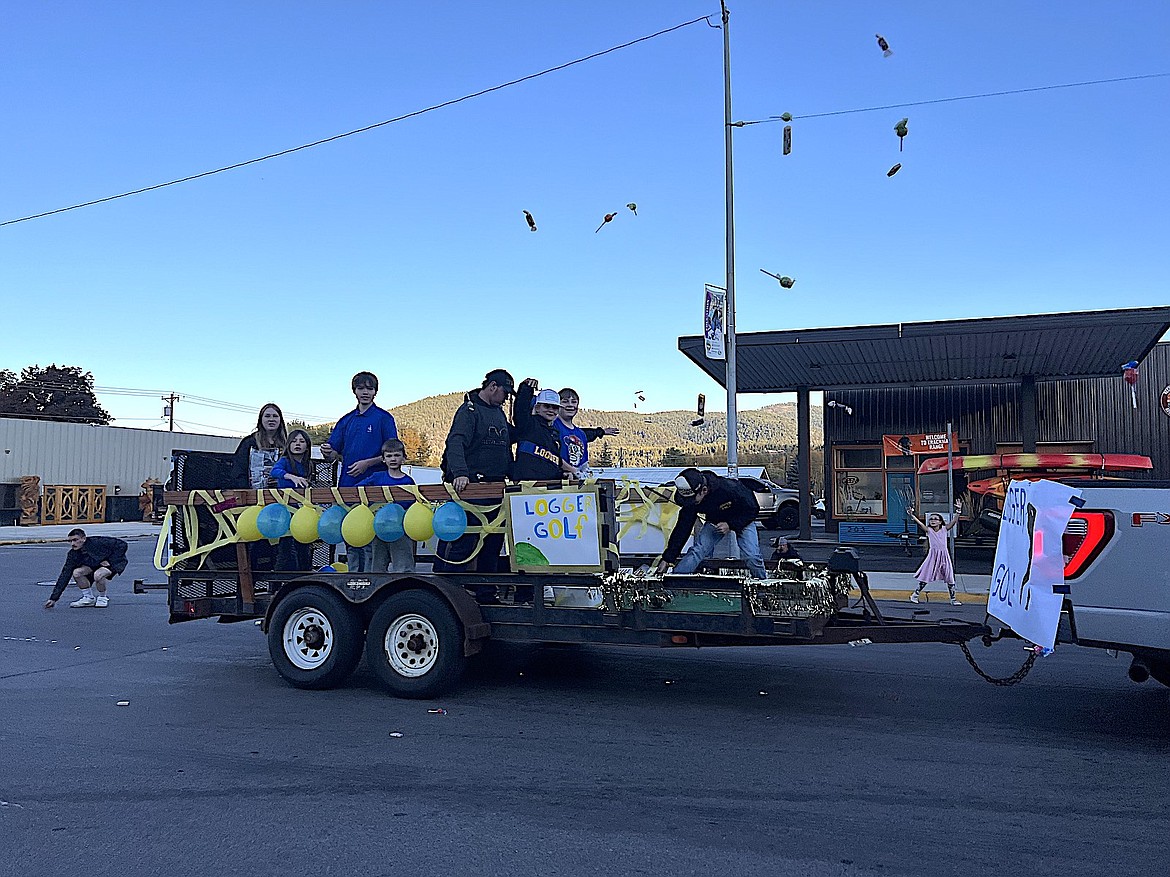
(1081, 344)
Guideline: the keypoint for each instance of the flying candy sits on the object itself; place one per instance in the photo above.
(894, 169)
(901, 130)
(608, 218)
(531, 221)
(1130, 372)
(633, 208)
(883, 45)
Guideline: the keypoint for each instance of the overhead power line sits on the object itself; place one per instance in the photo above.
(363, 129)
(945, 100)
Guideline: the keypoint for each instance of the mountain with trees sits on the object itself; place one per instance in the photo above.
(60, 393)
(767, 436)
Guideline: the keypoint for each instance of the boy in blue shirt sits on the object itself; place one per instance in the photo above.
(356, 441)
(398, 555)
(575, 440)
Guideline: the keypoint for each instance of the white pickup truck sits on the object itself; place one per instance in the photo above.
(1117, 573)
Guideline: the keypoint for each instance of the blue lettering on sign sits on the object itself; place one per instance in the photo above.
(1003, 584)
(1014, 505)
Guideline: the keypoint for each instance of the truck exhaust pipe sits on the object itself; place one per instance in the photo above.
(1138, 671)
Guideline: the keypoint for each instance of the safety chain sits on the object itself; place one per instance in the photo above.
(1016, 677)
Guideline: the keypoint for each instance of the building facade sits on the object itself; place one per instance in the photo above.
(867, 489)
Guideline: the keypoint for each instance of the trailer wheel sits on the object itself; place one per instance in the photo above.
(415, 645)
(315, 638)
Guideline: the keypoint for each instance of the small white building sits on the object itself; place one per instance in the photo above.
(116, 458)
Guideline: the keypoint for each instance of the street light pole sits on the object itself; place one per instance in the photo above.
(732, 419)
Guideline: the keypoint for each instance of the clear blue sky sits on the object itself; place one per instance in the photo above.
(404, 250)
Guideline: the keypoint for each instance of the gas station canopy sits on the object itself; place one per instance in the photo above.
(1042, 347)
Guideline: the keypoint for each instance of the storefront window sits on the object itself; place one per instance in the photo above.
(859, 483)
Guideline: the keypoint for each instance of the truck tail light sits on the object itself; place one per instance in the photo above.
(1085, 536)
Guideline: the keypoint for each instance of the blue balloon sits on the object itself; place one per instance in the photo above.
(273, 521)
(388, 522)
(450, 521)
(329, 527)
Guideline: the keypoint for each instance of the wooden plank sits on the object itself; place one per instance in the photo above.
(247, 584)
(349, 495)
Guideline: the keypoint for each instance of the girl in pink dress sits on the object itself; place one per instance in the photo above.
(937, 566)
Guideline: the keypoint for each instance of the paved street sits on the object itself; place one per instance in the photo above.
(788, 761)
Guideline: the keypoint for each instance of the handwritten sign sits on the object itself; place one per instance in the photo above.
(554, 531)
(1029, 561)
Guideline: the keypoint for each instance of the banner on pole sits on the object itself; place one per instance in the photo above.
(714, 322)
(1029, 559)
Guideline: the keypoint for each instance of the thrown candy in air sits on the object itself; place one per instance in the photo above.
(531, 221)
(883, 45)
(901, 129)
(894, 169)
(632, 207)
(1130, 372)
(608, 218)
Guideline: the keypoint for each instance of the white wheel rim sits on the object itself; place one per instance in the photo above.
(411, 645)
(308, 638)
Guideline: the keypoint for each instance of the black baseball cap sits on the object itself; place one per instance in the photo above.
(500, 376)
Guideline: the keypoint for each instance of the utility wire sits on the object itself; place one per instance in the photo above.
(945, 100)
(202, 401)
(362, 130)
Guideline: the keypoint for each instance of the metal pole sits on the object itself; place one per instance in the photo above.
(732, 419)
(950, 492)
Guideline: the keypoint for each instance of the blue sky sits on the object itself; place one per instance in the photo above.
(404, 250)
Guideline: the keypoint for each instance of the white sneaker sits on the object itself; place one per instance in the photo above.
(102, 601)
(83, 601)
(954, 602)
(914, 597)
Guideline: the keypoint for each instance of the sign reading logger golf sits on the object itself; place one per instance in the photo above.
(554, 531)
(1029, 562)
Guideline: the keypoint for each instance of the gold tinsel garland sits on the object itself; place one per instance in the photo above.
(798, 591)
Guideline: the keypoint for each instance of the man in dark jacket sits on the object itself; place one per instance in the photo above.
(727, 506)
(478, 450)
(92, 561)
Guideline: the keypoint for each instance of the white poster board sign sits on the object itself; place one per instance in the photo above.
(1029, 560)
(554, 531)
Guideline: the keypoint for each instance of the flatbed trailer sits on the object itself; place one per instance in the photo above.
(418, 630)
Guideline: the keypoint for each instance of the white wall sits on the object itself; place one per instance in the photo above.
(76, 453)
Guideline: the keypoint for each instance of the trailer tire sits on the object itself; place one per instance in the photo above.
(314, 638)
(415, 645)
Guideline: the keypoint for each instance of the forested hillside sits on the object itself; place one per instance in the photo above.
(767, 435)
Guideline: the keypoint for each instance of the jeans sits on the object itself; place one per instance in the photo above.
(398, 555)
(704, 546)
(357, 559)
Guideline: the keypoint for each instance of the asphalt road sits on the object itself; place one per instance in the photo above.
(883, 760)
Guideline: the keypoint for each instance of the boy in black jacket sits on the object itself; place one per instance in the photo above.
(92, 561)
(728, 506)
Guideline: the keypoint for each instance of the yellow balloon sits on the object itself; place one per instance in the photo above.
(358, 527)
(304, 524)
(246, 524)
(419, 522)
(340, 566)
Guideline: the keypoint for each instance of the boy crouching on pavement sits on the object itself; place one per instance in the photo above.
(92, 561)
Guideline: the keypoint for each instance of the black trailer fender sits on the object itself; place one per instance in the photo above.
(366, 592)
